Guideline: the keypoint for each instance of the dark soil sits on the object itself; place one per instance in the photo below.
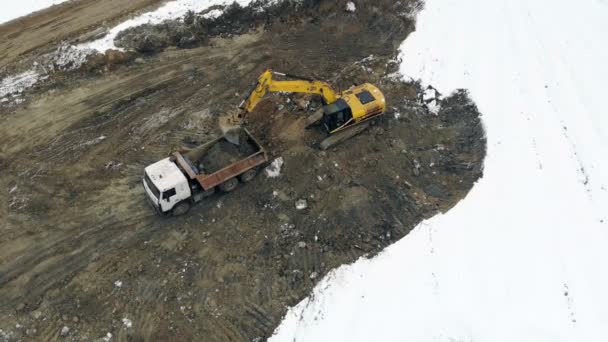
(224, 153)
(81, 248)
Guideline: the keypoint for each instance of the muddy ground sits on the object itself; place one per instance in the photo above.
(81, 249)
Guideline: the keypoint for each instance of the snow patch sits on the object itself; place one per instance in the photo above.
(171, 10)
(16, 84)
(274, 169)
(94, 142)
(214, 13)
(431, 98)
(65, 58)
(350, 7)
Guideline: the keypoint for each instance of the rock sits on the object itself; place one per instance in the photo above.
(144, 41)
(75, 319)
(302, 104)
(302, 244)
(117, 57)
(323, 185)
(140, 60)
(301, 204)
(37, 314)
(31, 332)
(416, 171)
(314, 275)
(280, 195)
(65, 330)
(350, 7)
(127, 322)
(274, 169)
(20, 307)
(282, 217)
(298, 275)
(64, 317)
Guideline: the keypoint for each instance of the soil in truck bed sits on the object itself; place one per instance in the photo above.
(223, 153)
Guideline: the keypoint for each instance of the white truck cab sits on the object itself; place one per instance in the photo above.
(166, 185)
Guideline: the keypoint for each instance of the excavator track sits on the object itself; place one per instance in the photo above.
(343, 135)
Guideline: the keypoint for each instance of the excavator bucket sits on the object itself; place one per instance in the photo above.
(231, 128)
(233, 136)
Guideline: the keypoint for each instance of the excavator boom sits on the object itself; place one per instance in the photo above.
(266, 83)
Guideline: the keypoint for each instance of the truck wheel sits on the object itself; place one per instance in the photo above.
(229, 185)
(248, 175)
(181, 208)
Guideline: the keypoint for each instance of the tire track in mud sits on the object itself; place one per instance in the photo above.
(92, 240)
(61, 260)
(306, 260)
(44, 126)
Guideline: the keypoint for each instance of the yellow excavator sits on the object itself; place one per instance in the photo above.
(343, 115)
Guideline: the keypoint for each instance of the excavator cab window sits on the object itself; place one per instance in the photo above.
(336, 115)
(365, 97)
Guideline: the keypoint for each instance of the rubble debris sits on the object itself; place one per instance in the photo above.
(274, 169)
(127, 322)
(301, 204)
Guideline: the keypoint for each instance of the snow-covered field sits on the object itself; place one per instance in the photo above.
(523, 256)
(11, 9)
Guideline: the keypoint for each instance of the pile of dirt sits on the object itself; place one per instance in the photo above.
(85, 258)
(196, 29)
(223, 153)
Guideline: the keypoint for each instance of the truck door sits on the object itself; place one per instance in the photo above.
(168, 199)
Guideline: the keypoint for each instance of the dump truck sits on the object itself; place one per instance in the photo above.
(174, 184)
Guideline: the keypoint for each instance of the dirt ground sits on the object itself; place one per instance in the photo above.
(81, 249)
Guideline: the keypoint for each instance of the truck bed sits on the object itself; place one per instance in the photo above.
(219, 160)
(224, 153)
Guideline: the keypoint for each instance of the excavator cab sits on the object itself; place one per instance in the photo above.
(336, 115)
(355, 105)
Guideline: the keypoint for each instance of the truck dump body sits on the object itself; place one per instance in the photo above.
(213, 163)
(224, 153)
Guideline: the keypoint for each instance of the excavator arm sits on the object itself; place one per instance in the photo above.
(266, 83)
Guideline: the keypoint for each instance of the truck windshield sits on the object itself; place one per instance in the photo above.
(151, 185)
